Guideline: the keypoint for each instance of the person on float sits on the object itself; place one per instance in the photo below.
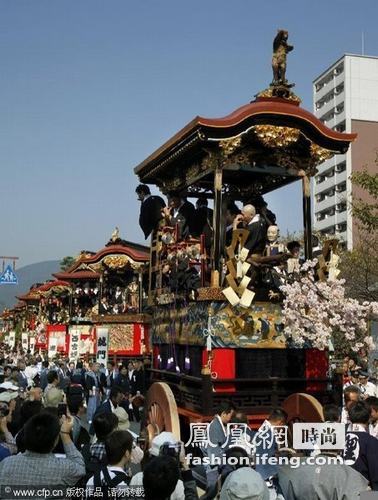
(180, 212)
(150, 209)
(256, 226)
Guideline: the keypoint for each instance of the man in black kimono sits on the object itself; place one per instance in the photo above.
(150, 209)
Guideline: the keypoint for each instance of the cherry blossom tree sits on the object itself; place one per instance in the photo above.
(317, 312)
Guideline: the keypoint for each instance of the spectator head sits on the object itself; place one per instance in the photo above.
(29, 409)
(15, 373)
(42, 433)
(331, 413)
(53, 377)
(110, 365)
(236, 457)
(75, 403)
(95, 367)
(352, 394)
(104, 424)
(130, 365)
(160, 478)
(35, 394)
(244, 483)
(142, 191)
(164, 439)
(294, 248)
(71, 365)
(278, 417)
(53, 397)
(363, 377)
(7, 371)
(372, 403)
(123, 370)
(226, 411)
(118, 447)
(359, 413)
(248, 212)
(116, 395)
(79, 365)
(355, 376)
(45, 364)
(175, 199)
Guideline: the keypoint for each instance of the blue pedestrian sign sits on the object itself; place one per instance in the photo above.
(9, 277)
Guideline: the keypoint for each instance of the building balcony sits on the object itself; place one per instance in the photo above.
(329, 221)
(324, 91)
(328, 202)
(325, 185)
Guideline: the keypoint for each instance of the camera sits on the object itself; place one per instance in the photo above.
(171, 450)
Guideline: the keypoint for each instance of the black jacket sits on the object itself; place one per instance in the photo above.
(150, 214)
(185, 218)
(362, 449)
(257, 237)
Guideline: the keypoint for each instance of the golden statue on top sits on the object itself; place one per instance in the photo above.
(280, 49)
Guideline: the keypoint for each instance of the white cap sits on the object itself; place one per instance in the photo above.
(9, 386)
(6, 397)
(159, 440)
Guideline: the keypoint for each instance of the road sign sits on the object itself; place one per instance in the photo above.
(9, 277)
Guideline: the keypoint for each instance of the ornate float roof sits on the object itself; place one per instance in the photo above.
(36, 292)
(271, 136)
(114, 256)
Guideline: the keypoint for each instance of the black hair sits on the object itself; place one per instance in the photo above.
(331, 413)
(351, 389)
(74, 402)
(51, 376)
(114, 391)
(225, 407)
(372, 402)
(359, 413)
(143, 188)
(104, 424)
(111, 363)
(79, 365)
(240, 418)
(233, 208)
(293, 244)
(278, 414)
(116, 446)
(160, 478)
(45, 364)
(29, 409)
(41, 432)
(236, 454)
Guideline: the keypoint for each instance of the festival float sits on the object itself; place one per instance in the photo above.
(225, 325)
(106, 301)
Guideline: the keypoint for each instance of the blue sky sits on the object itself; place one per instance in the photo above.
(89, 88)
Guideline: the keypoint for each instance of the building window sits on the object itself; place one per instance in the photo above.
(340, 188)
(341, 207)
(341, 167)
(339, 89)
(340, 127)
(339, 69)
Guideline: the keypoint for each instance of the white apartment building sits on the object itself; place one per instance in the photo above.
(345, 99)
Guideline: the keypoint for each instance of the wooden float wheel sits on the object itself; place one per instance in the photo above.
(303, 408)
(161, 413)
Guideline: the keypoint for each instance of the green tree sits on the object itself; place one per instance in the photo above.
(359, 268)
(66, 263)
(366, 212)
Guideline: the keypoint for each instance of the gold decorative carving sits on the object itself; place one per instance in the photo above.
(320, 154)
(273, 136)
(119, 262)
(272, 92)
(210, 293)
(228, 146)
(121, 337)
